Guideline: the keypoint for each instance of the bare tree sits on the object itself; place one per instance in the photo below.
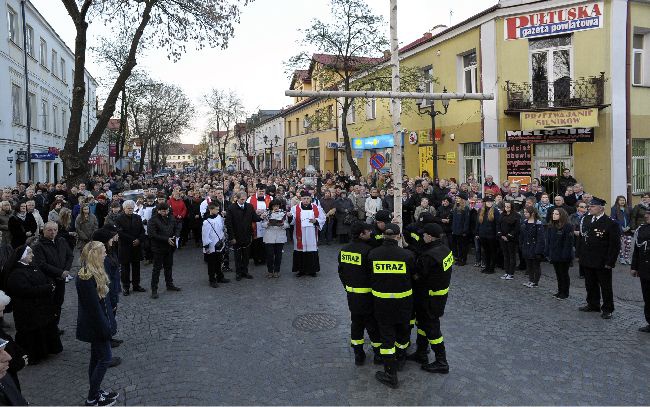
(225, 107)
(159, 113)
(164, 24)
(353, 44)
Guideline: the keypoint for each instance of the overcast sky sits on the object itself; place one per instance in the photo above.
(253, 65)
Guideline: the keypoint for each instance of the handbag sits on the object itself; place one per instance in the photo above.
(221, 244)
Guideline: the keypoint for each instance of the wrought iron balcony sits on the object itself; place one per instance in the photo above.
(561, 94)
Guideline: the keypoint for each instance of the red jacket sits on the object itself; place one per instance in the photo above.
(179, 210)
(493, 189)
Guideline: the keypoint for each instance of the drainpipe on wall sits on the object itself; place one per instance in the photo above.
(628, 114)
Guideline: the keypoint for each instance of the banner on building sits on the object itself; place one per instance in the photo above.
(555, 22)
(426, 159)
(43, 156)
(112, 150)
(559, 119)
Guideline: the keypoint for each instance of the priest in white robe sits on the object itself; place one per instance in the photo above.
(308, 219)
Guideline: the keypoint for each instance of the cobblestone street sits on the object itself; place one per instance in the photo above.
(244, 343)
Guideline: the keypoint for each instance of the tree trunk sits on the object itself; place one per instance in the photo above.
(143, 152)
(346, 141)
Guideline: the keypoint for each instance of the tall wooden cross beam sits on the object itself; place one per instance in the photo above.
(395, 96)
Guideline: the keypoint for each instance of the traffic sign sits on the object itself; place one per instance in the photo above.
(377, 161)
(358, 153)
(488, 146)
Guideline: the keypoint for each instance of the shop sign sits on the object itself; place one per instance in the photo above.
(374, 142)
(21, 156)
(358, 153)
(313, 142)
(95, 160)
(413, 138)
(518, 157)
(521, 180)
(335, 145)
(548, 172)
(43, 156)
(555, 22)
(451, 158)
(426, 159)
(559, 119)
(490, 146)
(552, 136)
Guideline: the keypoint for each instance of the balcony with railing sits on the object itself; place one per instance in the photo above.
(563, 93)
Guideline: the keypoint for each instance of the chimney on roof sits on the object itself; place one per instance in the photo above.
(387, 53)
(427, 35)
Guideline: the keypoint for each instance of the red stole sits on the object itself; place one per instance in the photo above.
(267, 200)
(299, 224)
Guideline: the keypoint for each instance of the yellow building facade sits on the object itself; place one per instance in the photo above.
(558, 72)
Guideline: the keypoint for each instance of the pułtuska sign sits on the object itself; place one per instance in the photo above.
(554, 22)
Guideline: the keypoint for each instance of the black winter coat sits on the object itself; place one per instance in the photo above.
(129, 228)
(31, 294)
(532, 240)
(95, 320)
(160, 230)
(53, 257)
(239, 223)
(487, 229)
(641, 254)
(18, 229)
(444, 212)
(559, 243)
(355, 274)
(508, 226)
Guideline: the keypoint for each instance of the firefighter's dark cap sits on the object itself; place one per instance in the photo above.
(433, 230)
(392, 229)
(382, 216)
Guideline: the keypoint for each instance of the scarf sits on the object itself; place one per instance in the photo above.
(299, 224)
(21, 216)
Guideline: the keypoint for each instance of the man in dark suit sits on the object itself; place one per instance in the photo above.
(239, 222)
(601, 242)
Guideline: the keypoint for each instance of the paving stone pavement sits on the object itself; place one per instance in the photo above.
(236, 344)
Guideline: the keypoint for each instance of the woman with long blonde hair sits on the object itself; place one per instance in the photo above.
(95, 320)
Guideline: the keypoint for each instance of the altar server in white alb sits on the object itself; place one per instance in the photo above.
(260, 202)
(308, 219)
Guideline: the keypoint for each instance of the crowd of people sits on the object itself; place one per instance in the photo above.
(100, 232)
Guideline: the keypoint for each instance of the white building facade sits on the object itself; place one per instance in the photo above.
(269, 144)
(50, 66)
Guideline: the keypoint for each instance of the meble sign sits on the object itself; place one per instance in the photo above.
(555, 22)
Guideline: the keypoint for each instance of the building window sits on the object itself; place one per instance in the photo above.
(469, 72)
(30, 41)
(43, 53)
(330, 117)
(55, 61)
(551, 69)
(306, 123)
(63, 77)
(472, 162)
(55, 115)
(32, 110)
(44, 114)
(297, 126)
(16, 102)
(638, 59)
(352, 113)
(314, 157)
(371, 109)
(12, 20)
(640, 166)
(427, 84)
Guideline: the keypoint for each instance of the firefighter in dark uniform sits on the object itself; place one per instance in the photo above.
(413, 238)
(391, 268)
(601, 242)
(413, 232)
(433, 273)
(641, 266)
(382, 217)
(355, 276)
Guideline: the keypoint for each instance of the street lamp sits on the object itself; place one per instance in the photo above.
(431, 111)
(271, 142)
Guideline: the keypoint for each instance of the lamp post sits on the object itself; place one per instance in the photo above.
(431, 111)
(271, 142)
